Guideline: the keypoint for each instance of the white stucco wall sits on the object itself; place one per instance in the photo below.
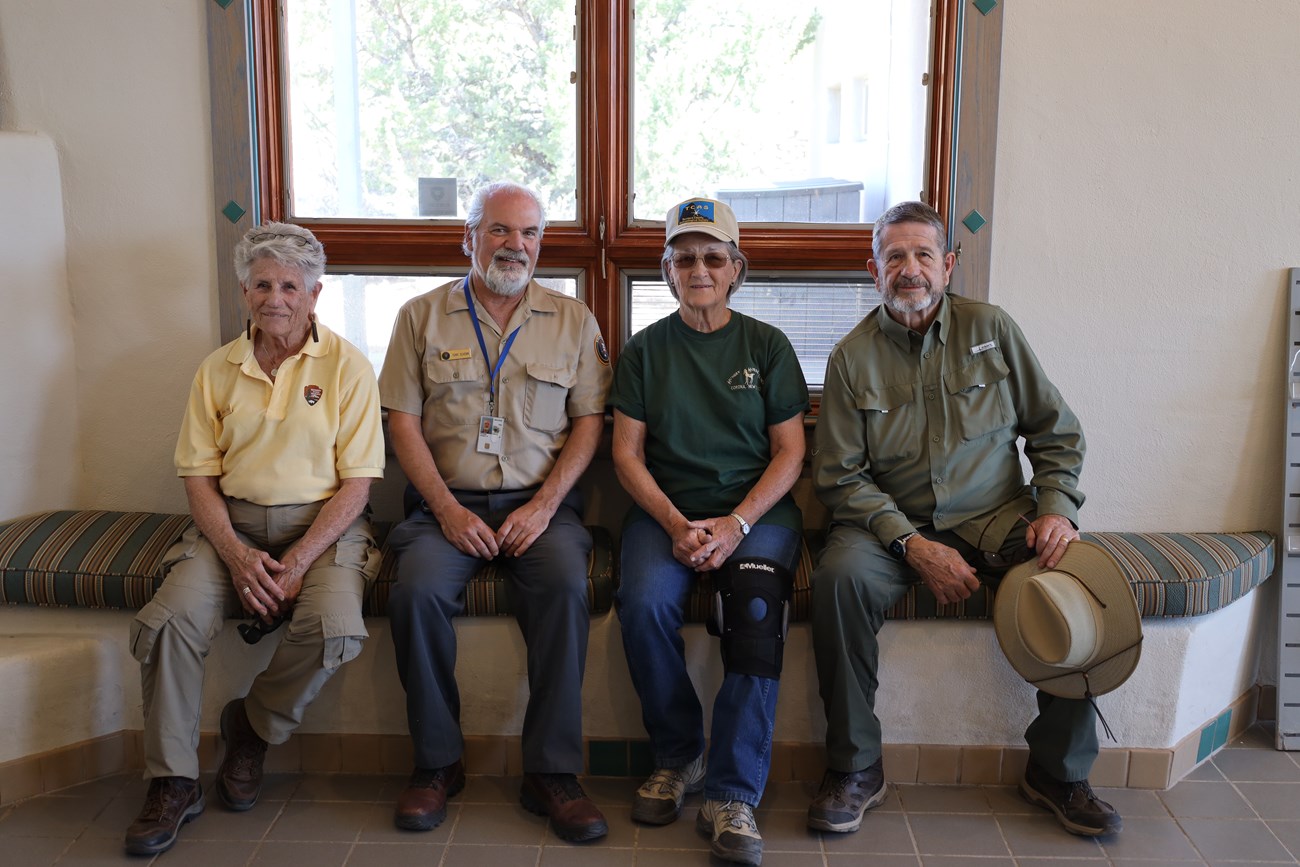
(40, 462)
(121, 90)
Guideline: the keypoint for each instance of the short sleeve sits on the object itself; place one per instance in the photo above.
(628, 394)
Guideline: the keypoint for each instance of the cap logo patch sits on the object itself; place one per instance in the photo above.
(695, 212)
(312, 393)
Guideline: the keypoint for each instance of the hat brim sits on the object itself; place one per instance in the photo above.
(701, 227)
(1121, 646)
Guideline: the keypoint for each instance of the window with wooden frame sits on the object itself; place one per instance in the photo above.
(371, 121)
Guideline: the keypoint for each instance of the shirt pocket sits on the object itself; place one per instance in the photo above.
(458, 389)
(893, 423)
(546, 396)
(978, 396)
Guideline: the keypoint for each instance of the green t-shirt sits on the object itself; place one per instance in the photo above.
(707, 401)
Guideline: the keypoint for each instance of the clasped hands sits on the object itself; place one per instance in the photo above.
(706, 544)
(267, 587)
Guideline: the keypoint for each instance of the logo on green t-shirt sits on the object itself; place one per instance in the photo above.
(745, 378)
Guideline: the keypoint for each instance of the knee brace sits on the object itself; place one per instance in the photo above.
(751, 610)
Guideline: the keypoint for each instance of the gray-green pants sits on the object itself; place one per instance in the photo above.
(854, 584)
(171, 635)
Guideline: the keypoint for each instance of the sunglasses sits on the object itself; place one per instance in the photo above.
(686, 261)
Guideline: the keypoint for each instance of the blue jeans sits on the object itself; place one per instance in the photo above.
(652, 595)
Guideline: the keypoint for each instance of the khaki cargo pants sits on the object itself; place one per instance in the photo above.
(172, 634)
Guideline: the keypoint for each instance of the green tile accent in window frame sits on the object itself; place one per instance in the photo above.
(232, 211)
(985, 6)
(974, 221)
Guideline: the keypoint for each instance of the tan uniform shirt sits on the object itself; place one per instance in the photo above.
(287, 442)
(557, 369)
(922, 429)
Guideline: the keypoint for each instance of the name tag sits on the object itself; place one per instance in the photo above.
(454, 354)
(983, 347)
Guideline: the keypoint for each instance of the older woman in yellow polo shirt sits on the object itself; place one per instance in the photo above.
(278, 448)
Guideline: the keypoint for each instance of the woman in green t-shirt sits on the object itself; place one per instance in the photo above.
(708, 440)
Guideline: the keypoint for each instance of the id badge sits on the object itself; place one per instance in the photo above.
(490, 428)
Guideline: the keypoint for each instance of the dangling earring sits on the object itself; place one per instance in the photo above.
(248, 327)
(315, 338)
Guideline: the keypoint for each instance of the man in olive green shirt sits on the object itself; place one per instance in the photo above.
(916, 457)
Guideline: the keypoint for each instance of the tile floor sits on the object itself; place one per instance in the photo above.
(1242, 807)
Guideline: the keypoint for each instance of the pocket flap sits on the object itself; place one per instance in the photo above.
(986, 370)
(563, 377)
(883, 398)
(461, 370)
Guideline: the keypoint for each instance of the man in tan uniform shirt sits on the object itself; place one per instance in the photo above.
(495, 389)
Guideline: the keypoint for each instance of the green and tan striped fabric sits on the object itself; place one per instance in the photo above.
(1186, 574)
(488, 592)
(1172, 574)
(89, 559)
(98, 559)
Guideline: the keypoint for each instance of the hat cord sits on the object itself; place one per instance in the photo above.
(1087, 685)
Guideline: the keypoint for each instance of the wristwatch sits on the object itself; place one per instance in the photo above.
(898, 547)
(744, 525)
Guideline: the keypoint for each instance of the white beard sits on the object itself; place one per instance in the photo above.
(503, 283)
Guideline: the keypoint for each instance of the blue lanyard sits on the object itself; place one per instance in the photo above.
(505, 350)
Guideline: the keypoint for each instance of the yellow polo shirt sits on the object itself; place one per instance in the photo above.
(557, 369)
(290, 441)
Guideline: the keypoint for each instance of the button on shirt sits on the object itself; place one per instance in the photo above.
(554, 371)
(287, 442)
(922, 429)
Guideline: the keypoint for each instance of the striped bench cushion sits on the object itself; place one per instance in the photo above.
(1172, 575)
(1186, 574)
(98, 559)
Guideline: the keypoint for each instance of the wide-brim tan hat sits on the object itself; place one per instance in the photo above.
(1073, 631)
(709, 216)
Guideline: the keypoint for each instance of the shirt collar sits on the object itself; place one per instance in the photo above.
(898, 332)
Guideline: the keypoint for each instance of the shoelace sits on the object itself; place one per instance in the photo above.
(664, 781)
(735, 814)
(565, 786)
(426, 779)
(163, 798)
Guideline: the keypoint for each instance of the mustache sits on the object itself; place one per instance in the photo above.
(510, 257)
(912, 283)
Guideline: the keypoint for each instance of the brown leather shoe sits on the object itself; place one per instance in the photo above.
(170, 803)
(422, 805)
(573, 815)
(239, 779)
(1076, 806)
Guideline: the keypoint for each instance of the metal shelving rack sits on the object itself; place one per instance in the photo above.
(1288, 687)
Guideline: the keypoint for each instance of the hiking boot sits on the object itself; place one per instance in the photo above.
(239, 779)
(731, 828)
(1075, 805)
(573, 815)
(422, 805)
(169, 803)
(659, 800)
(844, 798)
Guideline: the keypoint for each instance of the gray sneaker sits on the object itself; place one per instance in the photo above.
(731, 827)
(844, 798)
(659, 800)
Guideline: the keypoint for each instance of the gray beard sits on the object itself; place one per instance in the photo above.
(503, 284)
(893, 302)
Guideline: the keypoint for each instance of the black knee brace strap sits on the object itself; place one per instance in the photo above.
(751, 610)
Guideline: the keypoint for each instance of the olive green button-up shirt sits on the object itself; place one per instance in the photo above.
(922, 429)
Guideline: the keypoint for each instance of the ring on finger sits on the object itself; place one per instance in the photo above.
(248, 591)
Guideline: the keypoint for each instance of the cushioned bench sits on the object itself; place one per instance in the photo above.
(98, 559)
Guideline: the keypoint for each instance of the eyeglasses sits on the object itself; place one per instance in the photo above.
(712, 260)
